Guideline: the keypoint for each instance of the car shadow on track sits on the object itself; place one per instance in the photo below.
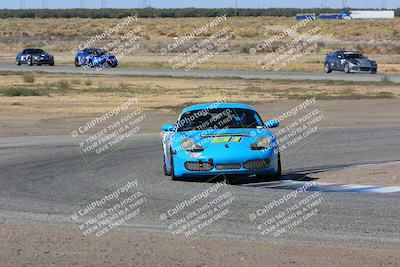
(289, 176)
(240, 180)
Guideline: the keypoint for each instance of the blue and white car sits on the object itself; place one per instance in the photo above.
(227, 138)
(95, 57)
(349, 61)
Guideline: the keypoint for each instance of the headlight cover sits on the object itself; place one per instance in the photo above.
(262, 142)
(189, 145)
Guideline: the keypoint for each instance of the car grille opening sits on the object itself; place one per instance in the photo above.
(198, 167)
(228, 166)
(256, 164)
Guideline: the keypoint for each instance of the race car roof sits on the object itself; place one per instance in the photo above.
(217, 105)
(349, 52)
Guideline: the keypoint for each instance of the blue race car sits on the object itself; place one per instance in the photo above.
(95, 57)
(349, 61)
(32, 56)
(221, 139)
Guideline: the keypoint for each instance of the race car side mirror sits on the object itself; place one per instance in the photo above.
(272, 124)
(168, 127)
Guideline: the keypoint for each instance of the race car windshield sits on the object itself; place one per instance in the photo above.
(218, 118)
(35, 51)
(354, 55)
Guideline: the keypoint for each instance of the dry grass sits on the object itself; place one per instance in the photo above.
(72, 96)
(376, 38)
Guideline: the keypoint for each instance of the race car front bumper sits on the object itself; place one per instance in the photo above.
(254, 163)
(356, 68)
(43, 60)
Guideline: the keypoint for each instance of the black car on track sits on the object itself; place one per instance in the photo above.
(32, 56)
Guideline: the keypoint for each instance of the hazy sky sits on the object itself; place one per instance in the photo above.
(200, 3)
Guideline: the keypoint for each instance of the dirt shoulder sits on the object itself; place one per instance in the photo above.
(44, 247)
(52, 116)
(387, 174)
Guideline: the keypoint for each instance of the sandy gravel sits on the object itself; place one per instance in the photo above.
(338, 113)
(51, 247)
(387, 174)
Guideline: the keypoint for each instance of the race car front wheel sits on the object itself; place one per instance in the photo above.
(77, 63)
(278, 175)
(30, 61)
(272, 176)
(165, 167)
(327, 68)
(173, 177)
(347, 68)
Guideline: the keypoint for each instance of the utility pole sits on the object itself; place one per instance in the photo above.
(103, 3)
(22, 4)
(45, 4)
(236, 8)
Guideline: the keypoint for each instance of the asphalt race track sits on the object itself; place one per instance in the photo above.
(335, 76)
(43, 178)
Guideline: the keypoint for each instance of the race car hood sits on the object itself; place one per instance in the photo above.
(363, 62)
(212, 138)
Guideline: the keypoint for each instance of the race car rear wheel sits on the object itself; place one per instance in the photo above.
(77, 63)
(18, 62)
(327, 68)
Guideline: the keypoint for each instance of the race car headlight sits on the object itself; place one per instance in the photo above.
(263, 142)
(188, 144)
